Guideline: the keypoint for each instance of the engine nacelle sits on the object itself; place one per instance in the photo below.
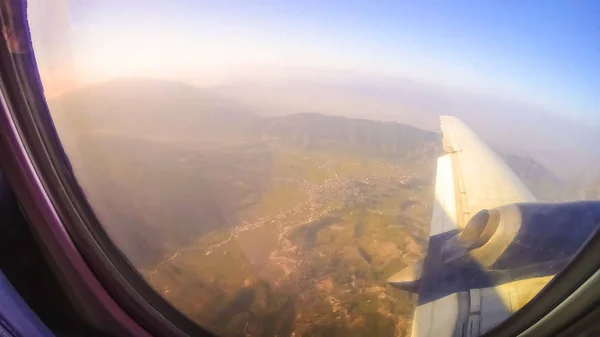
(518, 235)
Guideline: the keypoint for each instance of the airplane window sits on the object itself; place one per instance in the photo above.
(332, 169)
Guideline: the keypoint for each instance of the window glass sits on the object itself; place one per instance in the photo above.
(278, 168)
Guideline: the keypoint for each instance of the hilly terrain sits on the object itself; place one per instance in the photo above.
(261, 226)
(545, 185)
(558, 141)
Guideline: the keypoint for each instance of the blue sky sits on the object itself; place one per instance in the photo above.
(543, 53)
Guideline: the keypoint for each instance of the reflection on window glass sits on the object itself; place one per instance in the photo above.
(280, 168)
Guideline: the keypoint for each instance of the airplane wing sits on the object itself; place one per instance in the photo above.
(472, 175)
(462, 300)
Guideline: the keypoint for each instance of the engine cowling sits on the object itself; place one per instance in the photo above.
(517, 235)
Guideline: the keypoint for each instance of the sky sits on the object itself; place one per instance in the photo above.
(543, 53)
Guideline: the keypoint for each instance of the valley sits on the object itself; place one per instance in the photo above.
(260, 226)
(323, 238)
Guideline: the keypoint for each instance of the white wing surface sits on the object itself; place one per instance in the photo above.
(470, 177)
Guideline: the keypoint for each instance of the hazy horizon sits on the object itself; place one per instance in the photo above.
(536, 53)
(531, 67)
(508, 127)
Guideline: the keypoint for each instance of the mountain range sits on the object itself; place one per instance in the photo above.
(153, 108)
(164, 162)
(562, 144)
